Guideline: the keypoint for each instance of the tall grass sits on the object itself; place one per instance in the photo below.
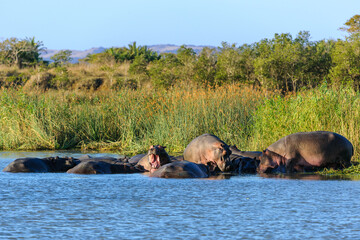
(128, 121)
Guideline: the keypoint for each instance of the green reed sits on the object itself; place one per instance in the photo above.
(126, 121)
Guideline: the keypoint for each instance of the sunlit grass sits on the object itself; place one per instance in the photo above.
(126, 120)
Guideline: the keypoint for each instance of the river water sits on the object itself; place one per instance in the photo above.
(134, 206)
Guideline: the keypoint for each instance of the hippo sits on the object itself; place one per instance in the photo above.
(103, 166)
(241, 165)
(209, 150)
(135, 159)
(41, 165)
(154, 159)
(243, 161)
(181, 169)
(306, 152)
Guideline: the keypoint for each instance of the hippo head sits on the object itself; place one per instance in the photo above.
(220, 157)
(157, 157)
(271, 162)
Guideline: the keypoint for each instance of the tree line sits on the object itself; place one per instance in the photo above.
(284, 62)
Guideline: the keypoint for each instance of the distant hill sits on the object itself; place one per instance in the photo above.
(76, 54)
(168, 48)
(160, 48)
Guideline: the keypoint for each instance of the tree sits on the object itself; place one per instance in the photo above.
(274, 60)
(205, 68)
(234, 64)
(138, 69)
(20, 52)
(187, 60)
(61, 58)
(120, 55)
(346, 62)
(289, 64)
(165, 72)
(352, 25)
(101, 58)
(32, 55)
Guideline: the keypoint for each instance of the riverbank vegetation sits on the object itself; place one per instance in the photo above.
(125, 99)
(130, 120)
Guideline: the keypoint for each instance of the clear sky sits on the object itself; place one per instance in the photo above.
(83, 24)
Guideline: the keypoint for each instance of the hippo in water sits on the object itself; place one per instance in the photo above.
(103, 165)
(243, 161)
(41, 165)
(181, 169)
(209, 150)
(306, 152)
(154, 159)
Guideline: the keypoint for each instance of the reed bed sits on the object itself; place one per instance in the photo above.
(127, 121)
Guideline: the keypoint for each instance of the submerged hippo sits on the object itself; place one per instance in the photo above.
(103, 165)
(154, 159)
(181, 169)
(306, 152)
(240, 165)
(243, 161)
(209, 150)
(41, 165)
(135, 159)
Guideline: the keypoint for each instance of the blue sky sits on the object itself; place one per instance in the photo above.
(83, 24)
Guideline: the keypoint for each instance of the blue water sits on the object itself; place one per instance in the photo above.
(134, 206)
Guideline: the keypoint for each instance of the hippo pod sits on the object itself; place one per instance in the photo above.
(307, 152)
(181, 169)
(154, 159)
(41, 165)
(103, 166)
(209, 150)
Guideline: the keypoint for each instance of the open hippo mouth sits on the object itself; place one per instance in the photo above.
(154, 161)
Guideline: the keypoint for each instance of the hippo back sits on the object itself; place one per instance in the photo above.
(35, 165)
(135, 159)
(91, 167)
(181, 169)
